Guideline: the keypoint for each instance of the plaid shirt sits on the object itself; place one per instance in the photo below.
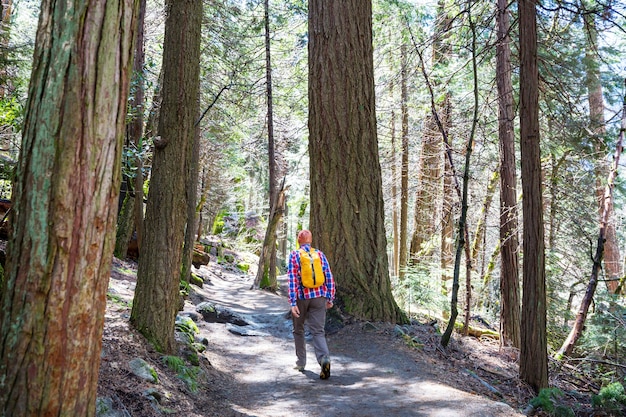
(297, 291)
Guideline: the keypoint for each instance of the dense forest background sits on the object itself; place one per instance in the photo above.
(435, 69)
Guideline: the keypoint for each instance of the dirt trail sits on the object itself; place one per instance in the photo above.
(374, 373)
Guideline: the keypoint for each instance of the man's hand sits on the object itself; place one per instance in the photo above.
(295, 311)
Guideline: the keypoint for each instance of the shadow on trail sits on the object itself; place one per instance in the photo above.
(368, 376)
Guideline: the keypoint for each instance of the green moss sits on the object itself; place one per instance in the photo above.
(243, 266)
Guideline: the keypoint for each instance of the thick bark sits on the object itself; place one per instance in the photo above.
(533, 350)
(347, 215)
(156, 296)
(581, 316)
(65, 206)
(509, 271)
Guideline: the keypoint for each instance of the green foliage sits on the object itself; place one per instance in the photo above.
(218, 224)
(188, 374)
(611, 398)
(421, 288)
(11, 113)
(243, 266)
(548, 401)
(605, 333)
(183, 288)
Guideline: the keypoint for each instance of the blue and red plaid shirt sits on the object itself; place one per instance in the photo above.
(297, 291)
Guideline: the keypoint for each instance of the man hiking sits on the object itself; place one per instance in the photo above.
(311, 292)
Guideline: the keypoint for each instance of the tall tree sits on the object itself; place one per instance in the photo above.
(156, 298)
(130, 218)
(65, 202)
(509, 271)
(612, 258)
(581, 316)
(347, 218)
(534, 346)
(431, 160)
(267, 263)
(404, 167)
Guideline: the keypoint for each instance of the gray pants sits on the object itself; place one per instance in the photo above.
(313, 312)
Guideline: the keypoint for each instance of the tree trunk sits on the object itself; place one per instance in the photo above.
(509, 270)
(267, 264)
(65, 207)
(404, 170)
(427, 199)
(130, 217)
(138, 124)
(395, 218)
(427, 196)
(193, 161)
(156, 296)
(263, 277)
(347, 218)
(581, 316)
(463, 240)
(481, 226)
(612, 259)
(6, 7)
(533, 351)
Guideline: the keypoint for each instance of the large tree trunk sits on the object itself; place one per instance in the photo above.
(156, 298)
(347, 217)
(65, 202)
(534, 347)
(509, 271)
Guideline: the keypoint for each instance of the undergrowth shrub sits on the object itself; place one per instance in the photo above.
(611, 399)
(188, 374)
(549, 401)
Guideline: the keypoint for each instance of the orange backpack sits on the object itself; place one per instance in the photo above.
(311, 272)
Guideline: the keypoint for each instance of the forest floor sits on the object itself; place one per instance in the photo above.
(249, 370)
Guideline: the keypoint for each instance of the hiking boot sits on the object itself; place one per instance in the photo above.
(325, 374)
(299, 368)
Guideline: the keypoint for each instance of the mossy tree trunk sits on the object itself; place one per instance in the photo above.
(156, 298)
(347, 217)
(65, 202)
